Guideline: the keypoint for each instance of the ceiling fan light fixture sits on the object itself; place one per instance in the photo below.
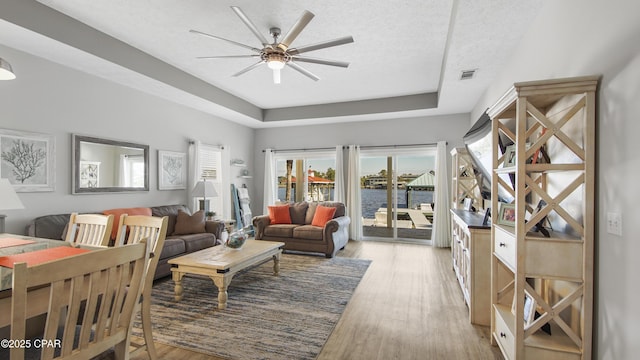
(276, 76)
(275, 61)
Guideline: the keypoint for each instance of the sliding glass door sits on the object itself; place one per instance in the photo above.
(397, 188)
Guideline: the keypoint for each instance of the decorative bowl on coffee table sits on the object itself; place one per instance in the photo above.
(236, 239)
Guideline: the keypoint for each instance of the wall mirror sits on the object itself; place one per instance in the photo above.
(102, 165)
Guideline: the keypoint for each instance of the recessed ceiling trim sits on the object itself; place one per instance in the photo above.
(349, 108)
(43, 20)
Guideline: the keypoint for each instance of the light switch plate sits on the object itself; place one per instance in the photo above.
(614, 223)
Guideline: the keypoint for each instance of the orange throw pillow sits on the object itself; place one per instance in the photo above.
(279, 214)
(323, 215)
(129, 211)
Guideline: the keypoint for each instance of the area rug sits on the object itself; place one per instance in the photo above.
(289, 316)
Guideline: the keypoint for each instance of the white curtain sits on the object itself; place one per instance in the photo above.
(192, 175)
(270, 187)
(224, 169)
(124, 172)
(353, 193)
(339, 189)
(441, 233)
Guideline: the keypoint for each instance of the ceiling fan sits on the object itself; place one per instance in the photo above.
(279, 54)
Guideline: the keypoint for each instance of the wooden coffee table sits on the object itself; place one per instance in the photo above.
(221, 264)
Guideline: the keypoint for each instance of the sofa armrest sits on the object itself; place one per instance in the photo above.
(335, 224)
(336, 234)
(215, 227)
(259, 224)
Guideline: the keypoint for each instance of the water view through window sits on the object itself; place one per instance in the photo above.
(397, 195)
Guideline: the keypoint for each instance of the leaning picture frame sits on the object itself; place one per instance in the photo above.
(27, 160)
(507, 214)
(529, 308)
(172, 170)
(510, 156)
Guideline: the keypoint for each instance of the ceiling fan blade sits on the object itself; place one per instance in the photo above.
(343, 64)
(228, 56)
(303, 71)
(295, 30)
(248, 68)
(250, 25)
(321, 45)
(227, 40)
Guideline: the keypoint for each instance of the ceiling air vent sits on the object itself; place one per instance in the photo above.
(467, 74)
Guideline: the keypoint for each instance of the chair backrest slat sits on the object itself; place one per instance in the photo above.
(89, 229)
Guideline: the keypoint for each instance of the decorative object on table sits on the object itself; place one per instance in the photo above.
(10, 200)
(237, 239)
(507, 214)
(204, 189)
(487, 216)
(172, 170)
(224, 235)
(467, 204)
(6, 72)
(210, 215)
(28, 160)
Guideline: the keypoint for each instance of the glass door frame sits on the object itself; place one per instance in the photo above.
(393, 154)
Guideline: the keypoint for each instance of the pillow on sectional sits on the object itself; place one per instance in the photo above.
(298, 211)
(189, 224)
(323, 215)
(279, 214)
(129, 211)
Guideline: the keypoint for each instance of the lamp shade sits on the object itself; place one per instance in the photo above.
(9, 200)
(204, 189)
(6, 72)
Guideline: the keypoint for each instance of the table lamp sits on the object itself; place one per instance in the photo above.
(204, 189)
(9, 200)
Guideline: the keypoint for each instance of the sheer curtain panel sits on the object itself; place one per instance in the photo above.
(441, 234)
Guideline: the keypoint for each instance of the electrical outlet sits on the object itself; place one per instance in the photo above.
(614, 223)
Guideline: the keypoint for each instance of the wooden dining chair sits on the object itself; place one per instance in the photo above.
(132, 229)
(109, 281)
(89, 229)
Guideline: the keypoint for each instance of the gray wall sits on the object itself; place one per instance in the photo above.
(575, 38)
(448, 128)
(52, 99)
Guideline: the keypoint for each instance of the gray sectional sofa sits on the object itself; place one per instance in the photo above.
(54, 227)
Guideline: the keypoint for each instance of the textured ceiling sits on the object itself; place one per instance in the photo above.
(403, 51)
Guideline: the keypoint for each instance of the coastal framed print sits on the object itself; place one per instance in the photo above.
(172, 170)
(27, 160)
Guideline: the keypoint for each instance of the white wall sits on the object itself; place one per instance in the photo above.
(449, 128)
(597, 37)
(52, 99)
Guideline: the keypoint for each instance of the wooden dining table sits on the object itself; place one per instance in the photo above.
(13, 246)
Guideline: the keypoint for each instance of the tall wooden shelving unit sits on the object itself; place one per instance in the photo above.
(464, 183)
(557, 116)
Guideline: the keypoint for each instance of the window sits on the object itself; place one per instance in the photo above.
(312, 171)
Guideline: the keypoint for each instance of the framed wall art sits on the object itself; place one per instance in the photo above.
(28, 160)
(172, 170)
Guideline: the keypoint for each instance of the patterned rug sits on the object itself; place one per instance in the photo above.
(286, 317)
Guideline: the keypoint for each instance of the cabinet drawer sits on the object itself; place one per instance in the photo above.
(505, 246)
(504, 337)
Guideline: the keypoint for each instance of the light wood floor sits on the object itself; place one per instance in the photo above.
(407, 306)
